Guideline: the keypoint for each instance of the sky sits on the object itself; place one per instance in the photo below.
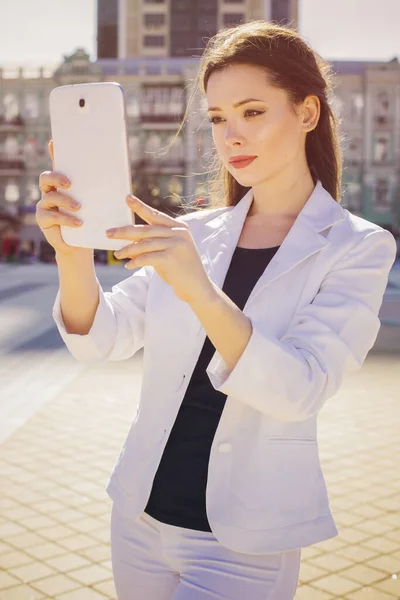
(41, 32)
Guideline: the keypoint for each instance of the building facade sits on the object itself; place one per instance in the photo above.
(107, 28)
(177, 28)
(367, 97)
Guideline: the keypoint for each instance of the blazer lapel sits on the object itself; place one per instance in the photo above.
(305, 238)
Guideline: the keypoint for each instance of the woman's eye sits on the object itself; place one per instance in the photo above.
(246, 114)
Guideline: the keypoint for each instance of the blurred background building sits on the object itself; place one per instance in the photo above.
(151, 47)
(175, 28)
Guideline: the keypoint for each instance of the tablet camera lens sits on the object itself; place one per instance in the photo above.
(81, 103)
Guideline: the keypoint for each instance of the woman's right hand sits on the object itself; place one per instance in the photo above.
(48, 216)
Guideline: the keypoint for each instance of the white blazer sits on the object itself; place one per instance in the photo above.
(314, 316)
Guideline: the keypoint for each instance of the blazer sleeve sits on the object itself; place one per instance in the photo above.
(291, 378)
(117, 331)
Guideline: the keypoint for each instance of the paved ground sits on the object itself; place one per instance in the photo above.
(62, 425)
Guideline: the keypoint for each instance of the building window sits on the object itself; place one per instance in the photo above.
(107, 41)
(10, 106)
(31, 109)
(182, 22)
(356, 106)
(176, 151)
(381, 108)
(31, 149)
(11, 147)
(161, 102)
(353, 153)
(338, 105)
(152, 146)
(11, 192)
(32, 194)
(281, 11)
(135, 151)
(132, 105)
(176, 101)
(154, 20)
(353, 197)
(232, 19)
(381, 198)
(209, 6)
(382, 147)
(155, 41)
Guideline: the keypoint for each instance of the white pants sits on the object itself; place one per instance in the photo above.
(155, 561)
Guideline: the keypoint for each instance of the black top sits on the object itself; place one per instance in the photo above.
(178, 495)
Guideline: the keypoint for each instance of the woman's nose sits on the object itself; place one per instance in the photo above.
(232, 136)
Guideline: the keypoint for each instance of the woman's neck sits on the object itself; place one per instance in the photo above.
(281, 200)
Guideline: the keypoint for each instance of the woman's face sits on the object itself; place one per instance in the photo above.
(266, 127)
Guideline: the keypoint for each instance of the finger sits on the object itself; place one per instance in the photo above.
(50, 180)
(51, 152)
(143, 247)
(148, 213)
(49, 218)
(151, 259)
(135, 233)
(58, 200)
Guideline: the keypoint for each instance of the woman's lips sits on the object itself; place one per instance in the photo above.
(240, 164)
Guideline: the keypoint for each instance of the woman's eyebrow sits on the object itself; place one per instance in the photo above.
(237, 103)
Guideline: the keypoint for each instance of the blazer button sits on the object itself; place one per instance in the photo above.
(225, 447)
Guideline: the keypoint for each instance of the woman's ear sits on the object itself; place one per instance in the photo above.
(311, 113)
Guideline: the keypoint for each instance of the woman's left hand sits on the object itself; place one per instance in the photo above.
(168, 246)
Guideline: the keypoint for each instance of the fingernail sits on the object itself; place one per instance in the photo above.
(131, 199)
(110, 231)
(65, 181)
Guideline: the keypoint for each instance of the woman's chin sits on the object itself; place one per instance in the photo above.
(246, 181)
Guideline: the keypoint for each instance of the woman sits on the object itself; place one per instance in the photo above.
(250, 315)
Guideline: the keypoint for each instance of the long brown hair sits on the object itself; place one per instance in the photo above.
(290, 65)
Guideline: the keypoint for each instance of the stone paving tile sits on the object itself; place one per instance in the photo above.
(96, 553)
(56, 585)
(24, 540)
(363, 574)
(387, 563)
(336, 585)
(90, 575)
(369, 593)
(309, 572)
(68, 562)
(85, 525)
(357, 553)
(23, 592)
(107, 588)
(63, 525)
(307, 592)
(382, 545)
(81, 594)
(391, 585)
(6, 581)
(15, 558)
(37, 522)
(46, 551)
(330, 562)
(31, 572)
(77, 542)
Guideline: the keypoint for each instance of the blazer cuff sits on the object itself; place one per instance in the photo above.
(92, 346)
(246, 373)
